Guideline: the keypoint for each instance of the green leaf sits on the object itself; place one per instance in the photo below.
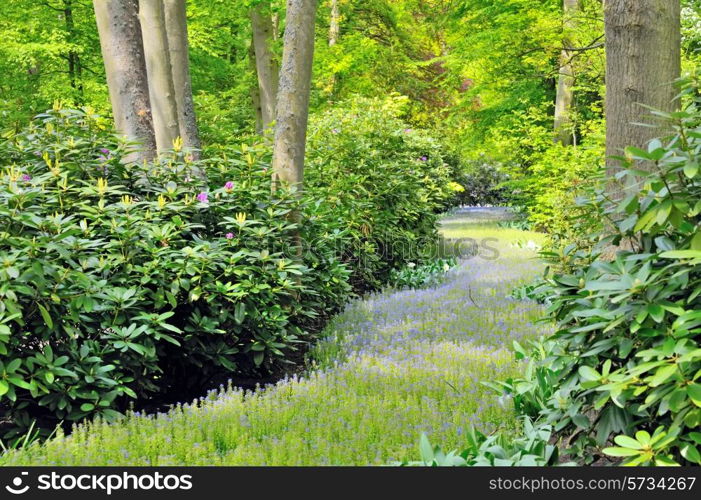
(615, 451)
(426, 450)
(691, 453)
(663, 374)
(691, 169)
(47, 317)
(694, 392)
(87, 407)
(657, 312)
(681, 254)
(696, 241)
(240, 312)
(4, 387)
(628, 442)
(665, 462)
(588, 373)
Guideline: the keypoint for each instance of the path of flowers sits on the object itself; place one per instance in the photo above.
(392, 366)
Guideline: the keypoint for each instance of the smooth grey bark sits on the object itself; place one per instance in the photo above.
(334, 24)
(178, 47)
(255, 92)
(643, 59)
(125, 67)
(564, 133)
(293, 95)
(158, 67)
(266, 65)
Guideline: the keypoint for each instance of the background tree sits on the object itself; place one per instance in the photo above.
(293, 95)
(565, 84)
(643, 59)
(160, 73)
(265, 61)
(125, 67)
(179, 51)
(334, 23)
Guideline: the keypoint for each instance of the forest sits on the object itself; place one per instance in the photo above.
(350, 232)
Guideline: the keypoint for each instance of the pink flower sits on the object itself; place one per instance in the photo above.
(26, 178)
(229, 186)
(202, 197)
(229, 236)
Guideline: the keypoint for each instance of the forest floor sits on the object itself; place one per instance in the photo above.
(389, 367)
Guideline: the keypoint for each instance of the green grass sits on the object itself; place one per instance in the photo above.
(389, 368)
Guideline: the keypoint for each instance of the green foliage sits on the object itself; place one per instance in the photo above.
(386, 181)
(544, 178)
(388, 368)
(627, 359)
(121, 281)
(530, 449)
(481, 183)
(413, 276)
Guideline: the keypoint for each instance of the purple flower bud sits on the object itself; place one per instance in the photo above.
(26, 178)
(229, 186)
(424, 158)
(203, 197)
(229, 236)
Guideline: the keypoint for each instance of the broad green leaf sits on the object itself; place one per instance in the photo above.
(694, 392)
(47, 317)
(628, 442)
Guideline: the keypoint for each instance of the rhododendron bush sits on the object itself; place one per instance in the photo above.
(124, 282)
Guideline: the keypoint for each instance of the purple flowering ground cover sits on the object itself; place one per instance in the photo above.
(390, 367)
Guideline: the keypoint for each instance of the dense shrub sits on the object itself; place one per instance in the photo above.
(519, 164)
(482, 181)
(626, 360)
(122, 281)
(413, 276)
(386, 181)
(531, 449)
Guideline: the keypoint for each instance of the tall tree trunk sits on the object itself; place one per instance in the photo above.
(125, 67)
(74, 67)
(293, 96)
(255, 92)
(266, 65)
(160, 79)
(643, 58)
(334, 24)
(564, 99)
(178, 47)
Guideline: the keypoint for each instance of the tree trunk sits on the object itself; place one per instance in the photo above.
(160, 79)
(255, 92)
(335, 23)
(293, 96)
(564, 132)
(74, 65)
(266, 66)
(178, 48)
(643, 59)
(125, 67)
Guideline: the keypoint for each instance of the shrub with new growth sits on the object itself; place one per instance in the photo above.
(386, 181)
(121, 281)
(627, 356)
